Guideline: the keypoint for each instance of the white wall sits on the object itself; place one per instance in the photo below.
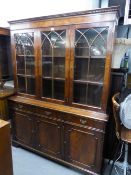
(16, 9)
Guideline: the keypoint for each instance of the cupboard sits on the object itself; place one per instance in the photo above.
(62, 76)
(5, 71)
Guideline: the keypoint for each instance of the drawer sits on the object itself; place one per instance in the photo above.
(22, 107)
(48, 113)
(84, 121)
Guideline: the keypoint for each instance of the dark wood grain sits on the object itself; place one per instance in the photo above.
(68, 132)
(66, 137)
(4, 94)
(4, 31)
(70, 110)
(6, 167)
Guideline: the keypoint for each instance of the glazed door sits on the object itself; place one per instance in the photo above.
(83, 147)
(5, 72)
(55, 64)
(49, 135)
(88, 63)
(23, 130)
(25, 62)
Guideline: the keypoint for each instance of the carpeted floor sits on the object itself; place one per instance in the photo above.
(27, 163)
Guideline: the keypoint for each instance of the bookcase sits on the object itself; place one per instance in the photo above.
(62, 78)
(5, 72)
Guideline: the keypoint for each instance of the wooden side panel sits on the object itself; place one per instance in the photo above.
(3, 109)
(5, 149)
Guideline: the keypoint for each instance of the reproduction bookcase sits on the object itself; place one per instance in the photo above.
(62, 77)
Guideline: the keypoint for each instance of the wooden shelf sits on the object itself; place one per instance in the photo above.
(25, 55)
(45, 56)
(29, 76)
(89, 82)
(98, 56)
(50, 78)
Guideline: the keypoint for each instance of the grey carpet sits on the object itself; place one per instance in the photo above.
(27, 163)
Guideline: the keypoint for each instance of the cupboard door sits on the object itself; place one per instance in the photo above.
(89, 50)
(5, 71)
(25, 62)
(23, 129)
(50, 138)
(55, 56)
(83, 148)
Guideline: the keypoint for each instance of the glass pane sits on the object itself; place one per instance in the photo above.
(21, 84)
(53, 63)
(81, 69)
(47, 67)
(53, 43)
(80, 93)
(89, 65)
(31, 86)
(99, 39)
(24, 43)
(90, 41)
(20, 65)
(47, 88)
(25, 62)
(59, 90)
(87, 94)
(59, 45)
(96, 70)
(30, 66)
(81, 43)
(59, 67)
(94, 95)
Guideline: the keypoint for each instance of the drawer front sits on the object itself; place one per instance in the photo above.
(85, 122)
(49, 114)
(22, 107)
(59, 116)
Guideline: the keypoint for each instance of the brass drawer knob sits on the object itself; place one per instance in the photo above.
(20, 106)
(47, 113)
(83, 121)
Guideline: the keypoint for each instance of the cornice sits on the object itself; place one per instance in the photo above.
(86, 12)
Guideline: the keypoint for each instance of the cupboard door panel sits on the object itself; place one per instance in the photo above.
(89, 62)
(50, 138)
(23, 128)
(82, 148)
(25, 62)
(55, 63)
